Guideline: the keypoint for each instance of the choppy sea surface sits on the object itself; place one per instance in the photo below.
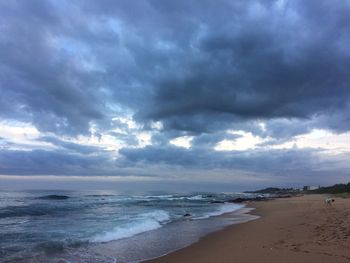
(105, 226)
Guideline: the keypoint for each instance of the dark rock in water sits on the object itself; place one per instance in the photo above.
(238, 200)
(187, 214)
(99, 195)
(217, 202)
(54, 197)
(241, 200)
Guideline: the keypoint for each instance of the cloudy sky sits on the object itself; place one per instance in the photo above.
(238, 93)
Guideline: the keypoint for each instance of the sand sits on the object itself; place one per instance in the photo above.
(297, 229)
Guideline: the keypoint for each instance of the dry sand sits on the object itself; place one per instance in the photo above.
(298, 229)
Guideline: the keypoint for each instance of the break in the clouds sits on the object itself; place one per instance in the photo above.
(176, 89)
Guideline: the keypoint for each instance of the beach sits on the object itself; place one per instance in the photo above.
(296, 229)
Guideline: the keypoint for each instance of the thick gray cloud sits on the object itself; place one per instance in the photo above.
(70, 146)
(71, 68)
(40, 162)
(283, 163)
(266, 65)
(64, 64)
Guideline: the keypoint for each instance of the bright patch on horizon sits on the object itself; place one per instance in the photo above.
(104, 141)
(184, 141)
(247, 141)
(156, 125)
(318, 138)
(21, 136)
(144, 139)
(128, 121)
(262, 126)
(115, 143)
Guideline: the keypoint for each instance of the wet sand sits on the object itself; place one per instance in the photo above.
(298, 229)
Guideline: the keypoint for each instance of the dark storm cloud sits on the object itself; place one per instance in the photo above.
(264, 66)
(196, 68)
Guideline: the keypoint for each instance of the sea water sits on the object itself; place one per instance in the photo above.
(105, 226)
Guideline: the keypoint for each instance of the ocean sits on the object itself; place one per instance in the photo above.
(106, 226)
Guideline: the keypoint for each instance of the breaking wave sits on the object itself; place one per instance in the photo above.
(142, 223)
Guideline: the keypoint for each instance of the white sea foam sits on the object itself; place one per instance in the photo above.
(196, 197)
(159, 196)
(174, 198)
(142, 223)
(223, 209)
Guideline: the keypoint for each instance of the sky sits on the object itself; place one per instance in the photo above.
(169, 94)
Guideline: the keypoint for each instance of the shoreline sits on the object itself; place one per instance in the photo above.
(242, 212)
(240, 216)
(163, 241)
(296, 229)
